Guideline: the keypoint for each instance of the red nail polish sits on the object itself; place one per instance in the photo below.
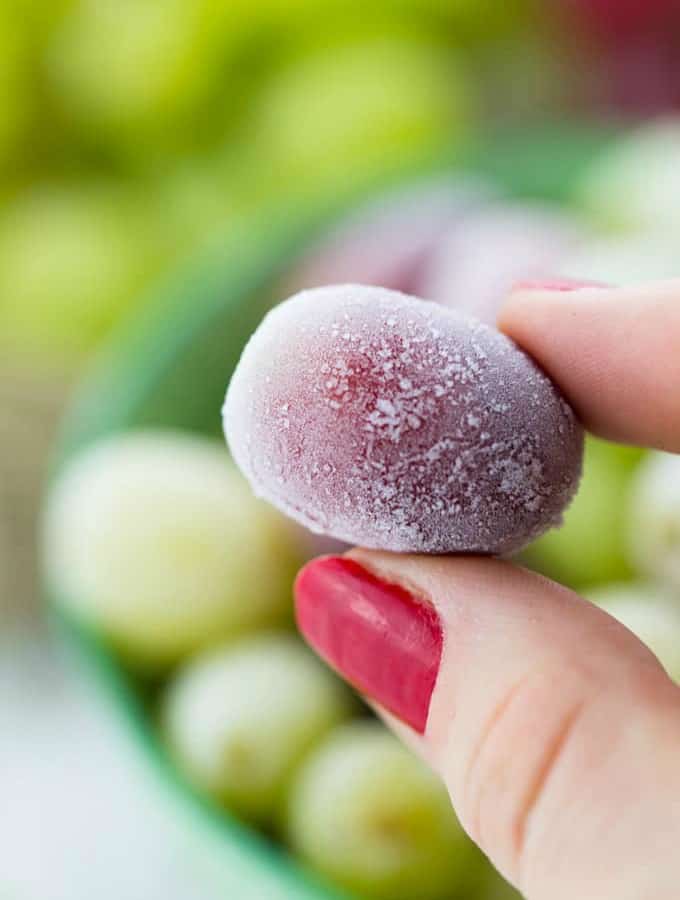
(558, 284)
(376, 635)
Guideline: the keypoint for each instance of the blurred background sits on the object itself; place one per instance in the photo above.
(168, 170)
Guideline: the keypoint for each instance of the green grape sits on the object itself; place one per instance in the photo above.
(372, 818)
(476, 21)
(468, 23)
(153, 538)
(200, 202)
(239, 719)
(248, 15)
(361, 108)
(654, 518)
(40, 17)
(136, 72)
(624, 259)
(17, 99)
(73, 260)
(590, 547)
(637, 183)
(498, 888)
(650, 612)
(321, 20)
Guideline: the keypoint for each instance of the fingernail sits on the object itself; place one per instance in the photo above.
(558, 284)
(376, 635)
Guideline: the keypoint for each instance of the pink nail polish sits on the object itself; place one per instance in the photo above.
(376, 635)
(558, 284)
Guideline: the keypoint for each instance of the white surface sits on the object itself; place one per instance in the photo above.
(78, 820)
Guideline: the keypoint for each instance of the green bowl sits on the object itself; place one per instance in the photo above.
(170, 368)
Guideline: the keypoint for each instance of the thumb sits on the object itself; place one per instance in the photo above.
(555, 730)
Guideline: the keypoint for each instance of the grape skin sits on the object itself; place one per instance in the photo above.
(238, 719)
(388, 421)
(373, 818)
(153, 539)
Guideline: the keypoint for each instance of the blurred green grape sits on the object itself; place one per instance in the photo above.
(477, 21)
(40, 17)
(239, 719)
(73, 258)
(636, 184)
(455, 21)
(135, 73)
(499, 889)
(653, 521)
(625, 258)
(462, 20)
(200, 200)
(590, 547)
(651, 612)
(251, 14)
(154, 540)
(370, 816)
(362, 107)
(17, 100)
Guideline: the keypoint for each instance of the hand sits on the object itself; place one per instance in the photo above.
(555, 730)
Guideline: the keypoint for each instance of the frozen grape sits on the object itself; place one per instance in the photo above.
(651, 613)
(154, 539)
(654, 518)
(474, 266)
(390, 240)
(239, 719)
(374, 819)
(390, 422)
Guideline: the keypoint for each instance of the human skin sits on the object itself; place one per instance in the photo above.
(555, 730)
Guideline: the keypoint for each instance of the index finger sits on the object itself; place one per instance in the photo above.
(615, 352)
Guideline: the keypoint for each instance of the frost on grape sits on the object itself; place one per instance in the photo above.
(394, 423)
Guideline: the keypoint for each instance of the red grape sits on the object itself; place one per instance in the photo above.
(395, 423)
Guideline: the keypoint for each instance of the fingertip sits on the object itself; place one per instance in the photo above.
(530, 302)
(611, 350)
(383, 639)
